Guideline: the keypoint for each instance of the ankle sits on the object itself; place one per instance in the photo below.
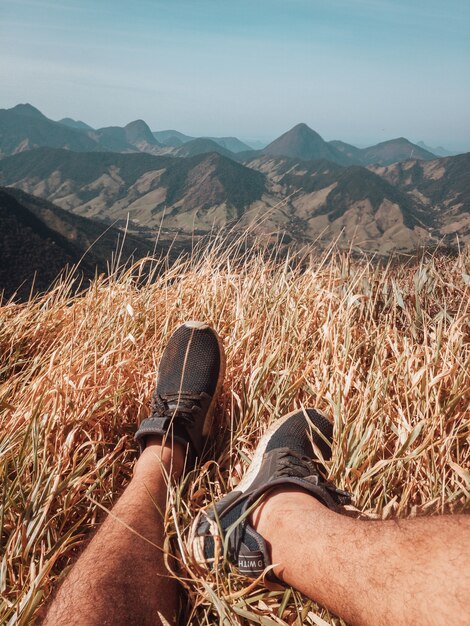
(278, 518)
(282, 504)
(166, 458)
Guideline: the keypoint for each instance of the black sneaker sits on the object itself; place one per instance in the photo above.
(285, 456)
(189, 377)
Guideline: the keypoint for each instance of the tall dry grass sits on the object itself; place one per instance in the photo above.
(382, 349)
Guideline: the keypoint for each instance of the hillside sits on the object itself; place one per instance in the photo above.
(442, 186)
(436, 180)
(350, 151)
(438, 151)
(135, 136)
(30, 251)
(355, 205)
(384, 153)
(326, 202)
(138, 134)
(171, 137)
(190, 193)
(306, 200)
(38, 240)
(233, 144)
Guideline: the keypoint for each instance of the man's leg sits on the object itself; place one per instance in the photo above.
(121, 577)
(414, 571)
(286, 515)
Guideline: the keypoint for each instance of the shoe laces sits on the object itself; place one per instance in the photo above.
(185, 407)
(291, 463)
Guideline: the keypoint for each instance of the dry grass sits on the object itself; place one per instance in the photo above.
(383, 350)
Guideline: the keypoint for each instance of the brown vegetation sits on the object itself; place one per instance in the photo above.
(383, 350)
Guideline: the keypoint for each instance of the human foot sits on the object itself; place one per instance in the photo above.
(286, 458)
(189, 378)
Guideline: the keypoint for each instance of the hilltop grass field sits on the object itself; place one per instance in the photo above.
(383, 349)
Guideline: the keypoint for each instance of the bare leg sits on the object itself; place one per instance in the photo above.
(121, 578)
(414, 571)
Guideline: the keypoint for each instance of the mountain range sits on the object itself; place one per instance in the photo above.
(170, 138)
(67, 185)
(380, 208)
(24, 127)
(188, 193)
(301, 142)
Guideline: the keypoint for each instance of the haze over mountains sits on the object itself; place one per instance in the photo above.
(24, 127)
(395, 195)
(438, 151)
(176, 139)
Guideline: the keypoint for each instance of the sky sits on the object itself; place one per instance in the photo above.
(358, 70)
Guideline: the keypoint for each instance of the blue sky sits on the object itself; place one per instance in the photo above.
(358, 70)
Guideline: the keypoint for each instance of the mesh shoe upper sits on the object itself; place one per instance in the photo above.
(298, 432)
(189, 375)
(190, 362)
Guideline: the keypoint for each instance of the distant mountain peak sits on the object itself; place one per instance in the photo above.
(394, 150)
(301, 125)
(302, 142)
(439, 150)
(28, 110)
(202, 145)
(167, 137)
(138, 124)
(394, 141)
(76, 124)
(138, 131)
(231, 143)
(304, 128)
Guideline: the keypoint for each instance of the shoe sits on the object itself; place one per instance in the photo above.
(189, 378)
(284, 457)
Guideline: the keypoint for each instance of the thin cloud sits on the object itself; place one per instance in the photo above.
(47, 4)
